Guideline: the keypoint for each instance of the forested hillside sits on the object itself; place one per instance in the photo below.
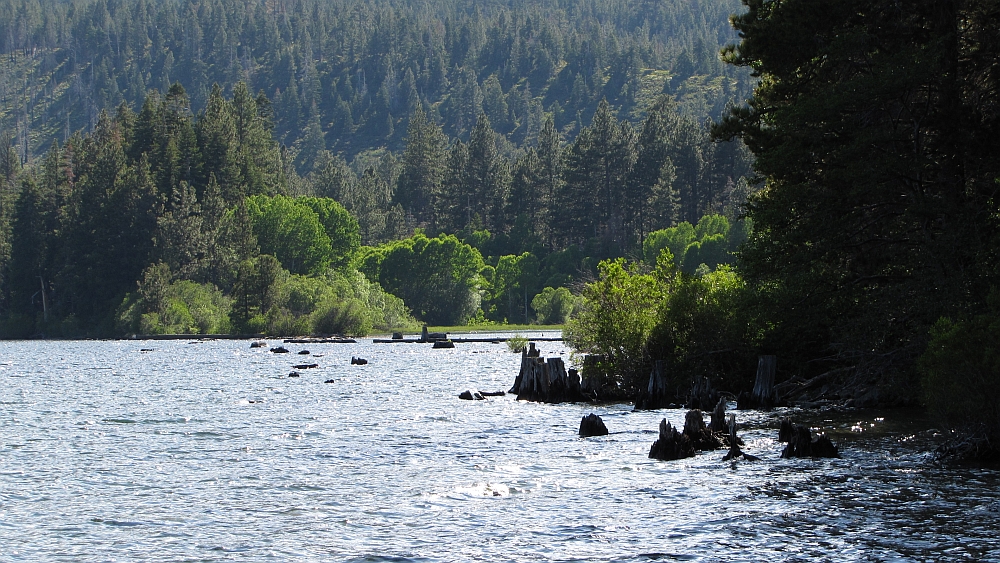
(345, 75)
(186, 167)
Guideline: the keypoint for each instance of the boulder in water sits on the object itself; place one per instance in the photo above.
(279, 350)
(358, 361)
(592, 425)
(293, 374)
(258, 344)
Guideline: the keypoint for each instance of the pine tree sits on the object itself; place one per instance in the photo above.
(419, 183)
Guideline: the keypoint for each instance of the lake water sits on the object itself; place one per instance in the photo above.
(209, 452)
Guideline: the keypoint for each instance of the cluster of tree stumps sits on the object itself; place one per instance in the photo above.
(546, 380)
(696, 436)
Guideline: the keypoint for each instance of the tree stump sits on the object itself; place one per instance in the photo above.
(764, 396)
(801, 443)
(592, 425)
(545, 380)
(656, 395)
(734, 444)
(701, 437)
(671, 444)
(702, 396)
(718, 423)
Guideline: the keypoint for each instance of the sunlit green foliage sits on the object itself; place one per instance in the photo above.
(438, 278)
(185, 307)
(618, 315)
(554, 306)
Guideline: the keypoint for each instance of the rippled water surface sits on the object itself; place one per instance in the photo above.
(209, 452)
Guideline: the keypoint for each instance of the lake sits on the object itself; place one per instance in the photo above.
(209, 452)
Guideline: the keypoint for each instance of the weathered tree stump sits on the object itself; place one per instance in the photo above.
(656, 395)
(701, 437)
(718, 423)
(671, 444)
(546, 381)
(764, 396)
(801, 443)
(702, 396)
(532, 351)
(734, 444)
(592, 425)
(438, 344)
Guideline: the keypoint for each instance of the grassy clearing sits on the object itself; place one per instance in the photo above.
(488, 328)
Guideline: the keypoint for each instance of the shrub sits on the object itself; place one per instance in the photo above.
(342, 317)
(553, 306)
(960, 373)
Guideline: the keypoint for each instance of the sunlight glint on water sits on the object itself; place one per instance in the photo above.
(209, 452)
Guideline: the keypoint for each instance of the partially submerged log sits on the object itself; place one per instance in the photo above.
(305, 366)
(546, 380)
(471, 395)
(432, 336)
(764, 396)
(801, 443)
(592, 425)
(671, 444)
(279, 350)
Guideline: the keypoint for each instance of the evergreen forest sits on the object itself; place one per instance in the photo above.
(334, 166)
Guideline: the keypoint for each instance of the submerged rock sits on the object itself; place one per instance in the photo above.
(592, 425)
(358, 361)
(305, 366)
(304, 352)
(443, 344)
(279, 350)
(471, 395)
(293, 374)
(258, 344)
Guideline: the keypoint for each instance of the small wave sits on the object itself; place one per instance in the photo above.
(485, 490)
